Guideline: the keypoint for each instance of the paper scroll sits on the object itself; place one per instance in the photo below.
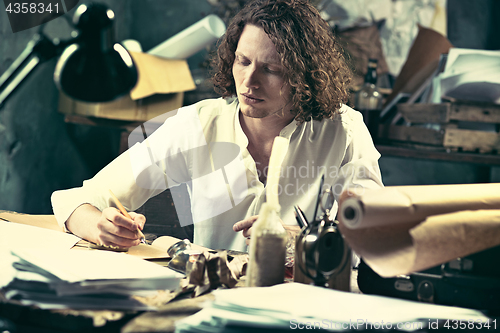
(192, 39)
(410, 204)
(403, 229)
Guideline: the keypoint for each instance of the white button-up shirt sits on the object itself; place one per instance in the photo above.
(204, 146)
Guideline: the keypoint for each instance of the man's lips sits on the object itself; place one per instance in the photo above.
(251, 98)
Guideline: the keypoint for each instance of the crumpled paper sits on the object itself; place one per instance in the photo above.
(211, 271)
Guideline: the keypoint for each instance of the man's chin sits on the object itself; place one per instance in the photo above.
(252, 113)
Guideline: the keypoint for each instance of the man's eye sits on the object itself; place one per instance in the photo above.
(272, 71)
(242, 61)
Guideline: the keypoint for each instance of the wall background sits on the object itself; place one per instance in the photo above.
(40, 153)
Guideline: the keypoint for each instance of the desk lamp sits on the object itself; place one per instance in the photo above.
(91, 67)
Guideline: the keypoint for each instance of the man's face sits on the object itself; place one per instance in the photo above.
(258, 75)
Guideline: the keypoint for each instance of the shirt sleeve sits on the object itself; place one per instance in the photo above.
(359, 168)
(146, 169)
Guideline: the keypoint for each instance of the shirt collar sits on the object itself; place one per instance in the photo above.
(241, 138)
(288, 130)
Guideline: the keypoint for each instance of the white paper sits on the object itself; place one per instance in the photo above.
(472, 75)
(19, 236)
(295, 302)
(16, 235)
(52, 302)
(462, 60)
(86, 266)
(192, 39)
(85, 279)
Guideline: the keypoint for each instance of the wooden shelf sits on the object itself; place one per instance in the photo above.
(437, 153)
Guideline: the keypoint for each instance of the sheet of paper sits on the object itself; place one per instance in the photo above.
(303, 303)
(462, 60)
(80, 266)
(16, 235)
(479, 86)
(52, 301)
(19, 236)
(472, 75)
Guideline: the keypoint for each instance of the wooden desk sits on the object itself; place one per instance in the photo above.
(31, 318)
(34, 319)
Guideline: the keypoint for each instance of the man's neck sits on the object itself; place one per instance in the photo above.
(263, 130)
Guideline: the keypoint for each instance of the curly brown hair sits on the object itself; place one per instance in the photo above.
(315, 66)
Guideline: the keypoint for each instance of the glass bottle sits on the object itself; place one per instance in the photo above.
(267, 249)
(368, 100)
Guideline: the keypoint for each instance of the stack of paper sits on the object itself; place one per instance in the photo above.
(472, 75)
(82, 279)
(38, 268)
(20, 236)
(298, 306)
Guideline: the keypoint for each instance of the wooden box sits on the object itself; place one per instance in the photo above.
(438, 125)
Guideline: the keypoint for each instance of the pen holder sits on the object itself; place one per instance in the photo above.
(322, 257)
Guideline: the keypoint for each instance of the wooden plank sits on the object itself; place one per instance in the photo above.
(102, 122)
(411, 134)
(124, 108)
(470, 140)
(479, 112)
(437, 153)
(425, 113)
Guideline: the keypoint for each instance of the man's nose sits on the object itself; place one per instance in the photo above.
(252, 78)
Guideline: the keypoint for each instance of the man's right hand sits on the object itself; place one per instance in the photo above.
(108, 227)
(114, 229)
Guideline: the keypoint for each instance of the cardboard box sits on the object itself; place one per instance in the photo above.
(160, 88)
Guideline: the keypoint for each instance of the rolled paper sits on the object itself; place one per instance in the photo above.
(192, 39)
(403, 229)
(398, 249)
(132, 45)
(410, 204)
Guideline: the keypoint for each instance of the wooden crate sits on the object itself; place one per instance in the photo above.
(451, 138)
(450, 112)
(447, 117)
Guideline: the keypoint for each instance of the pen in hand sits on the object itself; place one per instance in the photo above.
(126, 214)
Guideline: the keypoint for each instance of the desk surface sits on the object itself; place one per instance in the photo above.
(109, 321)
(28, 318)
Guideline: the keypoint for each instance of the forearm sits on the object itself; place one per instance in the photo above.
(83, 222)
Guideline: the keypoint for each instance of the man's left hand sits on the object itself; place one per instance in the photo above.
(246, 227)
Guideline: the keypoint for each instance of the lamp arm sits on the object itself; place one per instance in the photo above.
(38, 50)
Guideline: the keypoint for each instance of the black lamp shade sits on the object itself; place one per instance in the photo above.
(95, 77)
(94, 68)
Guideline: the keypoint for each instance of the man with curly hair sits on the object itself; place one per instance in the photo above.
(280, 72)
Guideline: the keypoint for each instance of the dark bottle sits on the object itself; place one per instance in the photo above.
(368, 100)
